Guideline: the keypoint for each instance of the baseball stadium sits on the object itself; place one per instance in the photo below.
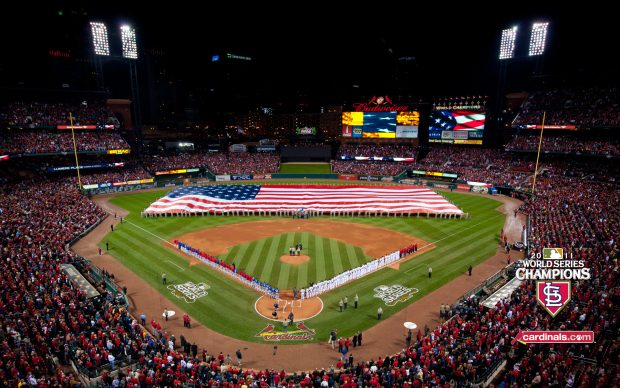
(257, 222)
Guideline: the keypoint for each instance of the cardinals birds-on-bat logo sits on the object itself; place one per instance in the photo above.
(381, 100)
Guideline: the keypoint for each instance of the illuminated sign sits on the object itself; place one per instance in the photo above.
(434, 173)
(240, 57)
(76, 127)
(118, 152)
(379, 104)
(305, 131)
(180, 171)
(4, 157)
(408, 118)
(380, 124)
(477, 142)
(567, 127)
(215, 58)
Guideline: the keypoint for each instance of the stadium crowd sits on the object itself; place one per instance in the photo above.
(218, 163)
(46, 322)
(44, 316)
(583, 107)
(49, 115)
(565, 144)
(17, 141)
(391, 150)
(117, 175)
(368, 167)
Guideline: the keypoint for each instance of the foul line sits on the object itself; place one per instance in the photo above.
(450, 235)
(147, 231)
(176, 265)
(461, 230)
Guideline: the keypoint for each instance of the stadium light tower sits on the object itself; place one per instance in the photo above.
(128, 40)
(507, 44)
(129, 55)
(538, 38)
(101, 45)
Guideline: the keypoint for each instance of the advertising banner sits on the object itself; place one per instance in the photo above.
(118, 152)
(347, 177)
(369, 178)
(462, 187)
(406, 131)
(241, 177)
(222, 178)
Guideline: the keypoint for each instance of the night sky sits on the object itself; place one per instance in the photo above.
(313, 50)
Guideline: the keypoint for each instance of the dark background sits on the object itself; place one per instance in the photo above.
(308, 54)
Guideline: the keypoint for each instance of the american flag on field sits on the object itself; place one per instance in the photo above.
(457, 120)
(312, 198)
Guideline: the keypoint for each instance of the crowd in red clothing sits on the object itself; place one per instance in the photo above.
(389, 150)
(583, 107)
(43, 316)
(49, 115)
(121, 174)
(218, 162)
(18, 141)
(368, 167)
(40, 310)
(565, 144)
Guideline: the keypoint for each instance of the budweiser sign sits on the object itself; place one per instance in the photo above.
(379, 104)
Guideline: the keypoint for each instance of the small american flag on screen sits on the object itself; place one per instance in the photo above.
(315, 198)
(457, 120)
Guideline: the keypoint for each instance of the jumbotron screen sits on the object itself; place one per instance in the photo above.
(459, 126)
(380, 125)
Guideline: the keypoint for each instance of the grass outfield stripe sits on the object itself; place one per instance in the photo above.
(334, 247)
(351, 255)
(273, 257)
(244, 260)
(255, 255)
(268, 259)
(312, 252)
(239, 255)
(302, 270)
(233, 256)
(329, 259)
(319, 262)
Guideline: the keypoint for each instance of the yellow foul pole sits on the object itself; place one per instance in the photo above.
(542, 128)
(77, 165)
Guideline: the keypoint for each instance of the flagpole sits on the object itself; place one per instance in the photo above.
(542, 128)
(77, 165)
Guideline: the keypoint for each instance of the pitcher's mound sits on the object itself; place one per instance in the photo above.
(295, 260)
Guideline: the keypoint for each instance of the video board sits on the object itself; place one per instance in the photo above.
(380, 125)
(457, 126)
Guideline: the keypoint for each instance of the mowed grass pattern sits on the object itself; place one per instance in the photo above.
(229, 307)
(333, 257)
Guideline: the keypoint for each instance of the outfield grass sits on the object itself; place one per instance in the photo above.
(229, 307)
(305, 168)
(261, 258)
